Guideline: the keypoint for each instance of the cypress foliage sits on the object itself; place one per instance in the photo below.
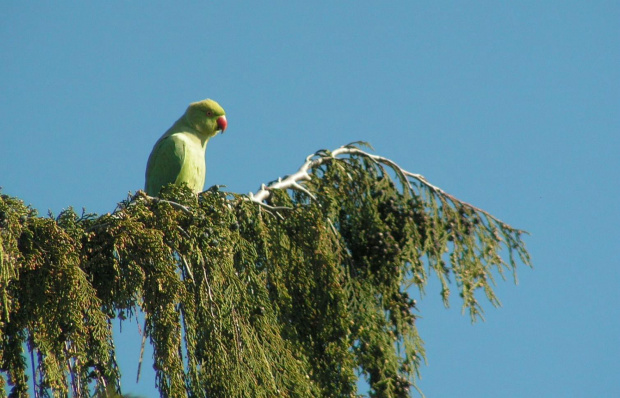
(293, 294)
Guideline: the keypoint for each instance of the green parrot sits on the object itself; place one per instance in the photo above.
(179, 155)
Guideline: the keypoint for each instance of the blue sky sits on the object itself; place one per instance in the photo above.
(511, 106)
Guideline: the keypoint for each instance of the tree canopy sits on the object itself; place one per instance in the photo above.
(295, 291)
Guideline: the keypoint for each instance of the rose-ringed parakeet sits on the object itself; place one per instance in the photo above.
(179, 155)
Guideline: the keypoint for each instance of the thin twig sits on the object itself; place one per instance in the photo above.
(208, 290)
(175, 205)
(187, 269)
(75, 381)
(142, 347)
(34, 377)
(269, 207)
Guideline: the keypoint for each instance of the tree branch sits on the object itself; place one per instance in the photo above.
(295, 180)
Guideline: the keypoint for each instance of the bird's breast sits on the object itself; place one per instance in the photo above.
(193, 169)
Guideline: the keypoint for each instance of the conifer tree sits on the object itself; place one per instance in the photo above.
(294, 291)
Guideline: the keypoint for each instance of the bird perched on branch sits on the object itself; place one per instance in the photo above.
(179, 155)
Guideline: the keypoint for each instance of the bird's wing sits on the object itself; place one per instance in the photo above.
(164, 164)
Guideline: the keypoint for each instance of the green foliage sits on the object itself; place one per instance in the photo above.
(295, 297)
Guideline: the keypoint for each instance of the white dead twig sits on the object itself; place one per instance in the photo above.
(296, 180)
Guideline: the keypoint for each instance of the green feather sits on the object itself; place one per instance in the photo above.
(179, 155)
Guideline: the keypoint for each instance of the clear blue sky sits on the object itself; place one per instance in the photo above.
(512, 106)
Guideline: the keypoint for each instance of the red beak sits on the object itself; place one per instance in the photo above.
(222, 123)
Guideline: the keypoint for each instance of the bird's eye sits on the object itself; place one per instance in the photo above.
(209, 113)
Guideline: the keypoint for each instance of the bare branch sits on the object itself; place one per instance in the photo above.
(175, 205)
(295, 181)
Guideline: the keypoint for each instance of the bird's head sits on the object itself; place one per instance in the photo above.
(207, 117)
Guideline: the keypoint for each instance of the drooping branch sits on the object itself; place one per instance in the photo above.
(471, 236)
(296, 180)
